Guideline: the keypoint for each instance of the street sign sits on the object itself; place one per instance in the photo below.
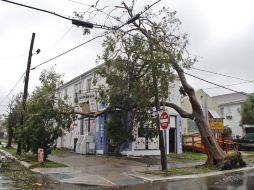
(164, 120)
(216, 123)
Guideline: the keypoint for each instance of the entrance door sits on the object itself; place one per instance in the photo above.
(172, 135)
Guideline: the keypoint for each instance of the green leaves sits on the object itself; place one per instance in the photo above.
(247, 111)
(45, 116)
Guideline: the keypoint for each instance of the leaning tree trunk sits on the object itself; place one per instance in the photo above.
(214, 152)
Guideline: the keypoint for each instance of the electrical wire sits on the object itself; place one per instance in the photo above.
(212, 72)
(211, 88)
(62, 37)
(12, 88)
(12, 57)
(221, 86)
(74, 21)
(38, 9)
(99, 36)
(61, 54)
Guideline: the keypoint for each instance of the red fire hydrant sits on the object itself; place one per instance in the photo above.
(40, 155)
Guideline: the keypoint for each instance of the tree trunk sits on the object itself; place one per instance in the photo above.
(10, 136)
(214, 153)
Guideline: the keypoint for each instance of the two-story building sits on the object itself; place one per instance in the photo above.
(230, 106)
(89, 128)
(210, 109)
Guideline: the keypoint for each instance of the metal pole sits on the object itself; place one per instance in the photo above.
(165, 144)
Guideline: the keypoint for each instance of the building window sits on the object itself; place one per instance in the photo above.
(81, 126)
(88, 84)
(76, 92)
(65, 93)
(147, 132)
(222, 111)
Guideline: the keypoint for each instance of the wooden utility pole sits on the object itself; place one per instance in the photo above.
(26, 88)
(28, 71)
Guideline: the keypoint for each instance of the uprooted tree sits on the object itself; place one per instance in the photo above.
(137, 54)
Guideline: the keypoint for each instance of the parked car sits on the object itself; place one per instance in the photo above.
(246, 142)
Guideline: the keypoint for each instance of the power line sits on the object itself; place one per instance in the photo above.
(13, 88)
(38, 9)
(212, 72)
(216, 84)
(12, 57)
(226, 85)
(74, 21)
(118, 28)
(61, 54)
(62, 37)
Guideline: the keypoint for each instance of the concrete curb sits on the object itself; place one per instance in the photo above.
(193, 176)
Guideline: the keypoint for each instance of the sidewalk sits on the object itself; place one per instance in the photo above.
(106, 170)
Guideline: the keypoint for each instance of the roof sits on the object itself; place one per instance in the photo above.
(80, 77)
(232, 98)
(214, 114)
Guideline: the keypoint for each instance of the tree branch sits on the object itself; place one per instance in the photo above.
(182, 112)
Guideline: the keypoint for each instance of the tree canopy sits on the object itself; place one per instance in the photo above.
(138, 57)
(247, 111)
(45, 116)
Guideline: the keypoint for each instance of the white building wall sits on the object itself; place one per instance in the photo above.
(231, 113)
(67, 141)
(70, 89)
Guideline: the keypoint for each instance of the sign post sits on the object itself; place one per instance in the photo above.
(164, 122)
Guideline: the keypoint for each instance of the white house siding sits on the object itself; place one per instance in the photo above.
(233, 118)
(79, 86)
(138, 147)
(97, 131)
(230, 106)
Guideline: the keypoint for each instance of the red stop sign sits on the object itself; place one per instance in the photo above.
(164, 120)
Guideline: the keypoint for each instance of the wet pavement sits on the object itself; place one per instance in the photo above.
(105, 170)
(5, 184)
(95, 170)
(231, 181)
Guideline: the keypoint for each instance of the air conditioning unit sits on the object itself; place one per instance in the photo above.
(229, 117)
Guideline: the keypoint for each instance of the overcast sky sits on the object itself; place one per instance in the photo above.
(221, 34)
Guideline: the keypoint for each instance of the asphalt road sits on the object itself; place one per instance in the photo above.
(232, 181)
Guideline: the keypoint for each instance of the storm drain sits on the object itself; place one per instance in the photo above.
(60, 176)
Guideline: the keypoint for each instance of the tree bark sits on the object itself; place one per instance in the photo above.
(10, 136)
(214, 153)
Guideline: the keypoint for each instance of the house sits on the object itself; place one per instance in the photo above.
(209, 106)
(89, 131)
(230, 106)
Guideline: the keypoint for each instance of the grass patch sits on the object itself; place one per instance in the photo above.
(248, 156)
(47, 164)
(21, 177)
(32, 159)
(4, 140)
(195, 156)
(61, 152)
(188, 156)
